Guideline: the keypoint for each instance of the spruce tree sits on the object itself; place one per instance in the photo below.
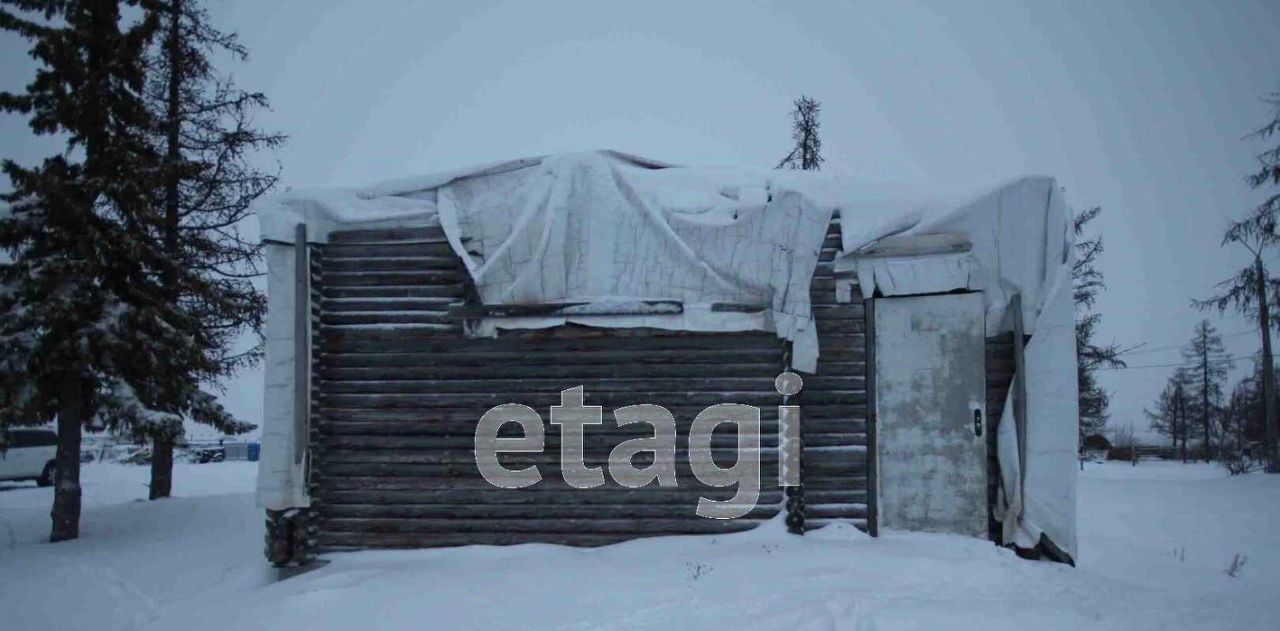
(206, 186)
(76, 309)
(1207, 364)
(1087, 283)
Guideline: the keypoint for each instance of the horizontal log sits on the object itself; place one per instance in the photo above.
(709, 382)
(438, 305)
(391, 318)
(689, 490)
(398, 279)
(574, 338)
(815, 416)
(427, 415)
(814, 439)
(344, 541)
(592, 439)
(856, 495)
(840, 328)
(426, 234)
(836, 511)
(429, 368)
(451, 418)
(334, 251)
(849, 311)
(647, 307)
(466, 353)
(556, 496)
(540, 511)
(411, 458)
(455, 290)
(822, 286)
(543, 400)
(388, 264)
(694, 525)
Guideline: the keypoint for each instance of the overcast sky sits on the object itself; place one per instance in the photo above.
(1138, 107)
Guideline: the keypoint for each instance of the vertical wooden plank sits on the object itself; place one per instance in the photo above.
(1019, 385)
(873, 477)
(794, 504)
(301, 343)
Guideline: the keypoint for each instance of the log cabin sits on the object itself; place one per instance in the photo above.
(934, 337)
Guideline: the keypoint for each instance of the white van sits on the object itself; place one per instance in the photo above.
(27, 454)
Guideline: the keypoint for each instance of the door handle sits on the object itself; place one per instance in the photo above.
(977, 422)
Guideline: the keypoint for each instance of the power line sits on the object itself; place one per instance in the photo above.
(1182, 364)
(1142, 350)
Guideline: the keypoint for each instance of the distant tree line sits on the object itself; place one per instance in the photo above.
(1194, 411)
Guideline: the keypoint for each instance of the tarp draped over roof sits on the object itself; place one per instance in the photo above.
(607, 228)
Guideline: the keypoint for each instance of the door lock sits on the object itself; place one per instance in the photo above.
(977, 422)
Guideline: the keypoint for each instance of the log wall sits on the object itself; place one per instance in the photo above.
(399, 390)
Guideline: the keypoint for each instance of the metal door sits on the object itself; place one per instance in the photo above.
(930, 389)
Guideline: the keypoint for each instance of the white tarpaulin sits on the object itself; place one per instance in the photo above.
(1019, 243)
(607, 228)
(592, 228)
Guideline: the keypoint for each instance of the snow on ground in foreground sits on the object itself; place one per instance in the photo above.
(1155, 541)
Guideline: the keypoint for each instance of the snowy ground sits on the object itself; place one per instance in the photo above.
(1155, 541)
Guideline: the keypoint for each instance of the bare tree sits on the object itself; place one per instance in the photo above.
(806, 155)
(1169, 417)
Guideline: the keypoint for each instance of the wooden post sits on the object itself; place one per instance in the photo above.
(873, 476)
(794, 504)
(301, 343)
(1019, 390)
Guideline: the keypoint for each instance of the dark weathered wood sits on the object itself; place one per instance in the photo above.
(834, 460)
(436, 305)
(529, 512)
(417, 493)
(557, 526)
(382, 318)
(387, 264)
(345, 355)
(395, 279)
(424, 371)
(873, 471)
(341, 541)
(445, 290)
(398, 407)
(433, 387)
(485, 400)
(428, 234)
(339, 251)
(301, 343)
(567, 308)
(733, 307)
